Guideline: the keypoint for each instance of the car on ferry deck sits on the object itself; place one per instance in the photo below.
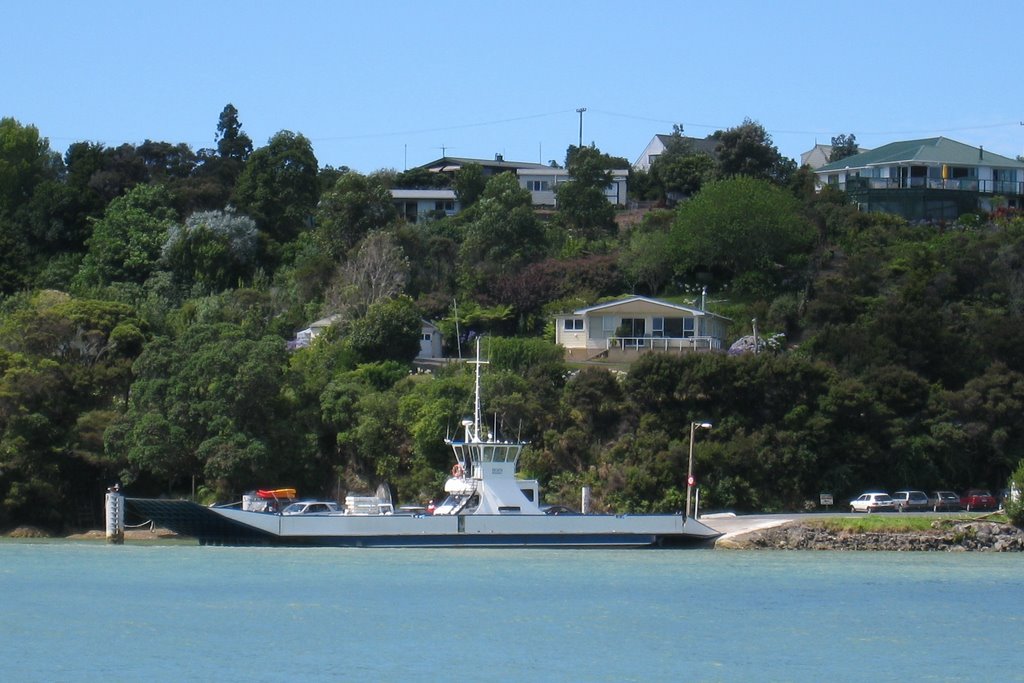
(311, 507)
(557, 510)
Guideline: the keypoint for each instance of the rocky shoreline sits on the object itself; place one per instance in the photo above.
(142, 534)
(974, 535)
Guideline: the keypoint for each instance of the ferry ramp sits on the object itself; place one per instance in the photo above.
(731, 525)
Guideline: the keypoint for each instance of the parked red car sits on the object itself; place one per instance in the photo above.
(978, 499)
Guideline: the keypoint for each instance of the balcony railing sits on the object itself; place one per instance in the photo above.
(1000, 187)
(664, 343)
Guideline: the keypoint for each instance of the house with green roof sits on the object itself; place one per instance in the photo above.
(929, 179)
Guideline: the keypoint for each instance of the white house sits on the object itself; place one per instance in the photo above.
(625, 328)
(303, 338)
(431, 339)
(430, 342)
(818, 156)
(656, 147)
(419, 205)
(542, 183)
(540, 179)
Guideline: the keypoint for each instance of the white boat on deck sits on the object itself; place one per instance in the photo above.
(487, 506)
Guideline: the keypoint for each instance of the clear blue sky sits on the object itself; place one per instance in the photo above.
(386, 84)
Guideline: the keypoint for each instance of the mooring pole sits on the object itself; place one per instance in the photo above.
(115, 515)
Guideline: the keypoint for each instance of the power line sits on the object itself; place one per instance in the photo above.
(690, 124)
(462, 126)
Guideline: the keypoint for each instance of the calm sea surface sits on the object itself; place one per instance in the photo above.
(79, 611)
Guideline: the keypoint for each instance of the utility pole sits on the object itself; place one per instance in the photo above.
(580, 112)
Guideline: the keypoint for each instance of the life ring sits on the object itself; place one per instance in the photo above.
(457, 470)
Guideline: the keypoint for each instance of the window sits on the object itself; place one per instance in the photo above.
(657, 327)
(632, 330)
(425, 336)
(687, 327)
(605, 329)
(444, 205)
(537, 185)
(674, 327)
(572, 324)
(961, 172)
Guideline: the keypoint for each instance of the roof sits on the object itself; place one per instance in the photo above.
(707, 145)
(455, 163)
(436, 193)
(645, 300)
(549, 171)
(325, 322)
(927, 151)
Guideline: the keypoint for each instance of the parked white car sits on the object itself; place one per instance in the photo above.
(872, 502)
(312, 507)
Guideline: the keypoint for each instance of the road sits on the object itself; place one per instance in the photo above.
(735, 525)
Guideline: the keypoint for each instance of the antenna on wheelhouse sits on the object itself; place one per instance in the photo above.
(476, 399)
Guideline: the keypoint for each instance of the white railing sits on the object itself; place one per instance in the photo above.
(963, 184)
(663, 343)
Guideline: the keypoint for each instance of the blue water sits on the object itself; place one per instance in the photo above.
(88, 611)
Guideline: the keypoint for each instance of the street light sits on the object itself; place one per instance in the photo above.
(694, 426)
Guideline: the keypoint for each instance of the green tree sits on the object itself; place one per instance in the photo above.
(590, 167)
(25, 162)
(469, 184)
(125, 244)
(123, 168)
(843, 146)
(64, 367)
(354, 207)
(421, 178)
(585, 211)
(748, 150)
(740, 226)
(278, 186)
(390, 330)
(501, 232)
(30, 202)
(647, 258)
(210, 404)
(682, 174)
(33, 423)
(213, 249)
(232, 143)
(1015, 503)
(679, 171)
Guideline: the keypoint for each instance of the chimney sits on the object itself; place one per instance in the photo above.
(981, 153)
(499, 157)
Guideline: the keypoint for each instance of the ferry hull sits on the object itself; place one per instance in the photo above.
(231, 526)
